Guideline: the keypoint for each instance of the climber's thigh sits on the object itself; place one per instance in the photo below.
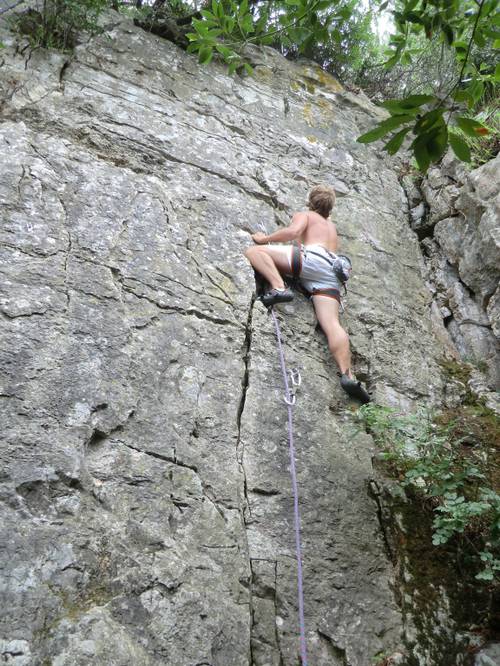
(281, 255)
(327, 313)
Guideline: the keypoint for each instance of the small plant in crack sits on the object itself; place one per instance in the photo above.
(57, 23)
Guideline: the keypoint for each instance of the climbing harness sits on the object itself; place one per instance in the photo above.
(292, 380)
(340, 263)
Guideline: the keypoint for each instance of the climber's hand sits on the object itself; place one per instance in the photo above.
(259, 238)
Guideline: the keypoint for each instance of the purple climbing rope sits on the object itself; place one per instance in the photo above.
(290, 401)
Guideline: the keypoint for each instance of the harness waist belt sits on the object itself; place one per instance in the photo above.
(321, 256)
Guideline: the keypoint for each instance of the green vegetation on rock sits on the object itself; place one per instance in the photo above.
(56, 23)
(447, 461)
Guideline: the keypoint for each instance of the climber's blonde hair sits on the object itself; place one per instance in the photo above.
(322, 199)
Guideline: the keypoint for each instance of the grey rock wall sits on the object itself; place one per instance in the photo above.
(457, 217)
(146, 504)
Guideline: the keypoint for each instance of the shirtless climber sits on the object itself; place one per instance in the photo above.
(317, 239)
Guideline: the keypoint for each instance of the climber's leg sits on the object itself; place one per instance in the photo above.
(271, 262)
(327, 313)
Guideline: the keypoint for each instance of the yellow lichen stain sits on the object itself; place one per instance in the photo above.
(326, 110)
(307, 112)
(263, 72)
(329, 82)
(314, 77)
(295, 86)
(311, 138)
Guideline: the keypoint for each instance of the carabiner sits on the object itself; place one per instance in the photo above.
(291, 400)
(295, 377)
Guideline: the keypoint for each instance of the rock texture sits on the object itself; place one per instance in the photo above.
(146, 505)
(457, 216)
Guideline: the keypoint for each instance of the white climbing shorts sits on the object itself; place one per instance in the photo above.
(317, 271)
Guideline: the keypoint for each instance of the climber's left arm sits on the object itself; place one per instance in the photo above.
(290, 233)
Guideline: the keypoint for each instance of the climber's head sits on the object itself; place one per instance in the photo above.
(322, 199)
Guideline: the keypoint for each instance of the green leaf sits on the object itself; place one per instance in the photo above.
(394, 144)
(463, 96)
(476, 90)
(459, 147)
(201, 27)
(322, 5)
(247, 23)
(471, 127)
(448, 32)
(248, 68)
(388, 64)
(492, 34)
(417, 100)
(408, 104)
(422, 156)
(206, 14)
(224, 50)
(486, 574)
(298, 35)
(479, 39)
(430, 120)
(346, 13)
(383, 128)
(205, 55)
(437, 142)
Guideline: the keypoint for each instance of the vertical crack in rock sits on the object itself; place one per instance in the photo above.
(264, 635)
(241, 406)
(239, 459)
(62, 73)
(374, 492)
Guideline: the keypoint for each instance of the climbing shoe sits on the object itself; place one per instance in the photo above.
(354, 388)
(277, 296)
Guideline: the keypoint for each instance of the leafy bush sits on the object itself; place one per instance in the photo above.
(429, 457)
(56, 23)
(467, 29)
(334, 33)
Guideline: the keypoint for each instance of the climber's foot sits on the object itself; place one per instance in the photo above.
(277, 296)
(354, 388)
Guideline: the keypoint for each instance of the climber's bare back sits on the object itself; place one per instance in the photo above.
(318, 231)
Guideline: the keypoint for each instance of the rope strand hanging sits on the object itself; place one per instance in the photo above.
(290, 399)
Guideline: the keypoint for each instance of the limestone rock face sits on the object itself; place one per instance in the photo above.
(146, 510)
(461, 238)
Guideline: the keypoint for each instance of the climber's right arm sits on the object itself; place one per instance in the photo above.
(290, 233)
